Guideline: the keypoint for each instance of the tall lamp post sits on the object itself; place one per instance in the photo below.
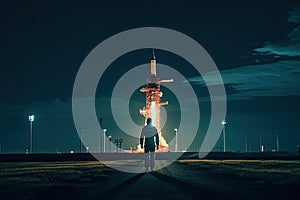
(80, 139)
(109, 138)
(30, 119)
(246, 145)
(104, 131)
(277, 143)
(224, 134)
(176, 138)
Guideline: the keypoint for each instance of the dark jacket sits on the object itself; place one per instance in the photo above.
(148, 134)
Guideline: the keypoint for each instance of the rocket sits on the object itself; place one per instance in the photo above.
(153, 103)
(153, 65)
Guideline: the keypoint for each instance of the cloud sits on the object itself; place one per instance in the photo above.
(274, 79)
(294, 15)
(287, 49)
(295, 34)
(290, 48)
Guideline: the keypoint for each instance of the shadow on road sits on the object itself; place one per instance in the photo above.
(114, 191)
(185, 187)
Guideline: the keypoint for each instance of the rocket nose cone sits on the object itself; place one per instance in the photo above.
(153, 55)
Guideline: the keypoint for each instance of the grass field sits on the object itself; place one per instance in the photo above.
(86, 180)
(277, 172)
(68, 179)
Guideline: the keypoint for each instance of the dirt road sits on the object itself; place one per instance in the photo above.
(180, 181)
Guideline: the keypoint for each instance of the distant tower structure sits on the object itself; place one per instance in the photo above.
(153, 103)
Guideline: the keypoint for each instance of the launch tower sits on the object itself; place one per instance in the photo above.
(153, 103)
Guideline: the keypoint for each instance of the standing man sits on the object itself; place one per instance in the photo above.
(148, 139)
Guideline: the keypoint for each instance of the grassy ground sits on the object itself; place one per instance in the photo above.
(275, 172)
(87, 180)
(69, 179)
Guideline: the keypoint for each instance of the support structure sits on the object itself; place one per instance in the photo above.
(246, 144)
(176, 141)
(277, 143)
(153, 103)
(30, 119)
(104, 138)
(224, 135)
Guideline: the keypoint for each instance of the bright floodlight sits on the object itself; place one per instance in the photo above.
(31, 118)
(224, 135)
(104, 137)
(223, 122)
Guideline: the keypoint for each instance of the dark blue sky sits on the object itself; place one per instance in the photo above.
(255, 44)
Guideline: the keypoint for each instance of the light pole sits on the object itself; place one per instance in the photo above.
(109, 138)
(261, 146)
(176, 138)
(277, 142)
(104, 130)
(246, 146)
(80, 139)
(117, 144)
(224, 134)
(30, 119)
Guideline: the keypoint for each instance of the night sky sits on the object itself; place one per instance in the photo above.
(255, 44)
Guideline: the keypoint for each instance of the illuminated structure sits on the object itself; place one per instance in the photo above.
(223, 122)
(30, 119)
(153, 103)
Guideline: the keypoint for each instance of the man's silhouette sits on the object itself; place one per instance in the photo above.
(149, 137)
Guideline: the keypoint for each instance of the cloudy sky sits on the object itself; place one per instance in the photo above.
(255, 45)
